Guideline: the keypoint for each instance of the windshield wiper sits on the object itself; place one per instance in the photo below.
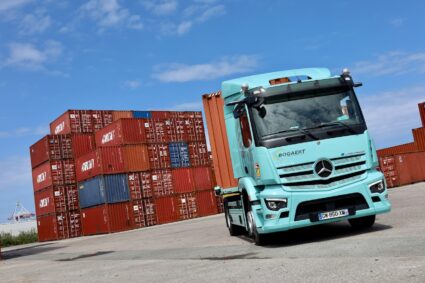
(301, 130)
(323, 125)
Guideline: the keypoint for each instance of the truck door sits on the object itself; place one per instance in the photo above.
(246, 144)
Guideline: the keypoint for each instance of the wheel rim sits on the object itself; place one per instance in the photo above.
(250, 223)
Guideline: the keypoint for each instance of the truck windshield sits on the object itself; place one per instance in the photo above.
(288, 114)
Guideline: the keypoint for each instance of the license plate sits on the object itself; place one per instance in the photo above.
(333, 214)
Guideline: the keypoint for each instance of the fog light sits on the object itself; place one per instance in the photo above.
(270, 216)
(377, 187)
(276, 204)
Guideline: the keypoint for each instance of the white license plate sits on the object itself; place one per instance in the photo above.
(333, 214)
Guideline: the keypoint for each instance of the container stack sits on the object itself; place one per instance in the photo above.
(133, 169)
(405, 164)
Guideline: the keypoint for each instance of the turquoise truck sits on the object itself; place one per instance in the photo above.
(300, 152)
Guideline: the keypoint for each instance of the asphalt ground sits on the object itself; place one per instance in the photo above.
(201, 250)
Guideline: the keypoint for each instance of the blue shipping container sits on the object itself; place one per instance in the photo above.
(103, 189)
(142, 114)
(179, 154)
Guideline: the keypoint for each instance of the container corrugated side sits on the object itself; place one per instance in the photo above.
(399, 149)
(121, 114)
(104, 189)
(207, 203)
(47, 148)
(419, 136)
(52, 227)
(107, 218)
(214, 113)
(136, 158)
(166, 209)
(203, 178)
(183, 181)
(142, 114)
(410, 168)
(421, 107)
(121, 132)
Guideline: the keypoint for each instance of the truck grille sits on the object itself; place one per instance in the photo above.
(308, 209)
(347, 169)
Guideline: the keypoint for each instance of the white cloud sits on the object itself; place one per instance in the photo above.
(30, 57)
(211, 12)
(37, 22)
(397, 22)
(176, 29)
(6, 5)
(132, 84)
(392, 63)
(391, 115)
(15, 171)
(162, 7)
(207, 71)
(109, 13)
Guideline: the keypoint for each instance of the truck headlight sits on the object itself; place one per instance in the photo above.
(377, 187)
(276, 203)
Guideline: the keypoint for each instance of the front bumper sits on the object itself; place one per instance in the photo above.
(377, 203)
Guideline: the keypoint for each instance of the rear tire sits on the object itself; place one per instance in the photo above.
(362, 222)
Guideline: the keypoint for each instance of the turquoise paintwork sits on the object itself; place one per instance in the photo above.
(268, 183)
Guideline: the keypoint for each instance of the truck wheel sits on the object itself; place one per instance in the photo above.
(362, 222)
(234, 230)
(258, 238)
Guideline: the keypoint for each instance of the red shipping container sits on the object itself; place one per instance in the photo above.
(207, 203)
(183, 180)
(75, 229)
(421, 107)
(76, 145)
(68, 122)
(161, 115)
(162, 182)
(135, 185)
(101, 119)
(203, 178)
(176, 129)
(47, 148)
(419, 136)
(123, 131)
(399, 149)
(166, 209)
(72, 200)
(198, 153)
(159, 157)
(107, 218)
(48, 174)
(136, 158)
(53, 227)
(50, 200)
(116, 115)
(146, 181)
(150, 212)
(138, 214)
(106, 160)
(187, 205)
(410, 168)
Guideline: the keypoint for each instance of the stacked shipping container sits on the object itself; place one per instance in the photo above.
(405, 164)
(145, 168)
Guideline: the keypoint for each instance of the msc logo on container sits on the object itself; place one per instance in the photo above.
(108, 137)
(41, 177)
(59, 128)
(43, 202)
(88, 165)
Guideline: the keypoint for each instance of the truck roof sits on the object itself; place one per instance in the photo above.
(231, 87)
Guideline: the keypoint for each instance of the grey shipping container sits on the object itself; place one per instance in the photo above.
(104, 189)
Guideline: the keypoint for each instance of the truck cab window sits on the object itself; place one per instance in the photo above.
(245, 130)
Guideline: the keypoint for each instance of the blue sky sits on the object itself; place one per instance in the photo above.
(122, 54)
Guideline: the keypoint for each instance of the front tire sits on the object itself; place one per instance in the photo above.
(362, 222)
(258, 238)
